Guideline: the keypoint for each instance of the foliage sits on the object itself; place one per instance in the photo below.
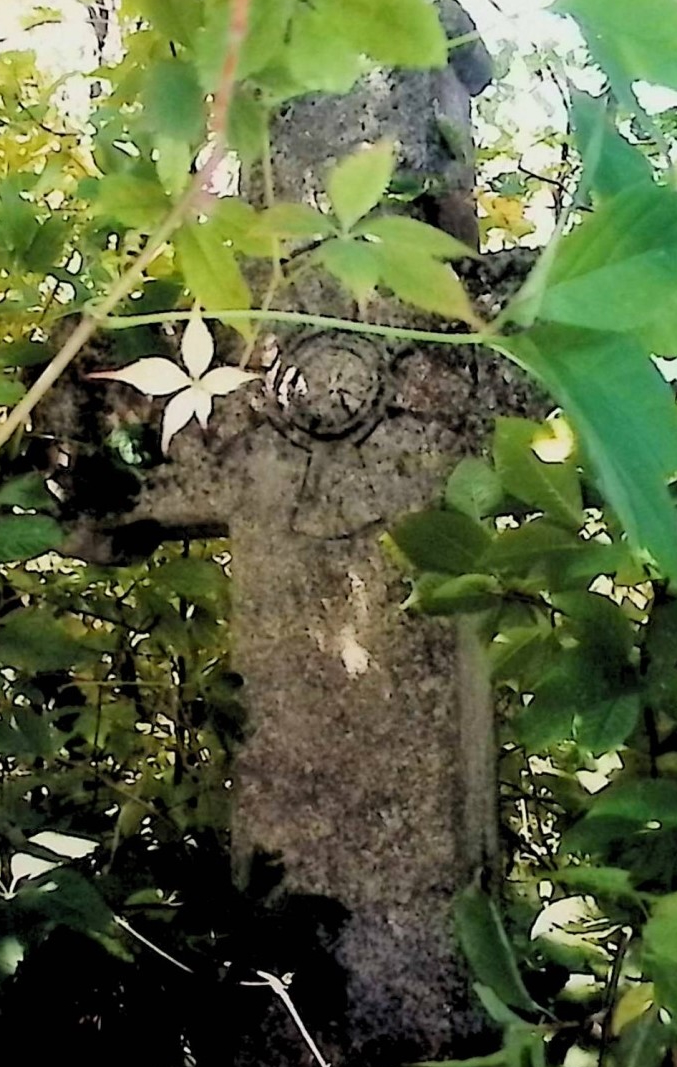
(118, 717)
(580, 638)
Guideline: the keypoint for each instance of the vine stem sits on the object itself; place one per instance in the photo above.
(299, 318)
(218, 125)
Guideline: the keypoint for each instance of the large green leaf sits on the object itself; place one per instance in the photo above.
(616, 271)
(624, 414)
(482, 937)
(618, 164)
(630, 40)
(443, 541)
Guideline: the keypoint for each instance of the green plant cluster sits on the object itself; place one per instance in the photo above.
(581, 637)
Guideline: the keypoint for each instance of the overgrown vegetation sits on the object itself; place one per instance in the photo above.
(118, 714)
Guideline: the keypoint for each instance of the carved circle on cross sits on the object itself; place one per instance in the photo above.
(326, 386)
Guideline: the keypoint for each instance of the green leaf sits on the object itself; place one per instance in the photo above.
(11, 391)
(355, 264)
(443, 541)
(358, 182)
(617, 270)
(266, 34)
(473, 488)
(26, 491)
(629, 807)
(415, 236)
(173, 101)
(495, 1008)
(643, 1043)
(176, 19)
(19, 224)
(320, 61)
(607, 726)
(33, 640)
(482, 937)
(551, 556)
(611, 882)
(630, 41)
(424, 282)
(24, 354)
(26, 536)
(407, 34)
(248, 125)
(624, 414)
(173, 164)
(550, 487)
(195, 580)
(47, 245)
(660, 951)
(132, 201)
(236, 222)
(268, 23)
(618, 163)
(210, 268)
(438, 594)
(63, 897)
(294, 220)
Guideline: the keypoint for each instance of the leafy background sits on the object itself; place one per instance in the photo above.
(119, 717)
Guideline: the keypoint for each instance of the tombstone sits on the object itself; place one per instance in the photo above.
(370, 769)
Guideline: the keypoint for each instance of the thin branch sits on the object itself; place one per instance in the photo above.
(325, 322)
(149, 944)
(279, 986)
(89, 324)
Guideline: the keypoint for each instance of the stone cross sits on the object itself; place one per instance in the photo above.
(369, 772)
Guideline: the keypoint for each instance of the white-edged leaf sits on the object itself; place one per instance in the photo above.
(225, 380)
(152, 375)
(197, 346)
(357, 183)
(177, 414)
